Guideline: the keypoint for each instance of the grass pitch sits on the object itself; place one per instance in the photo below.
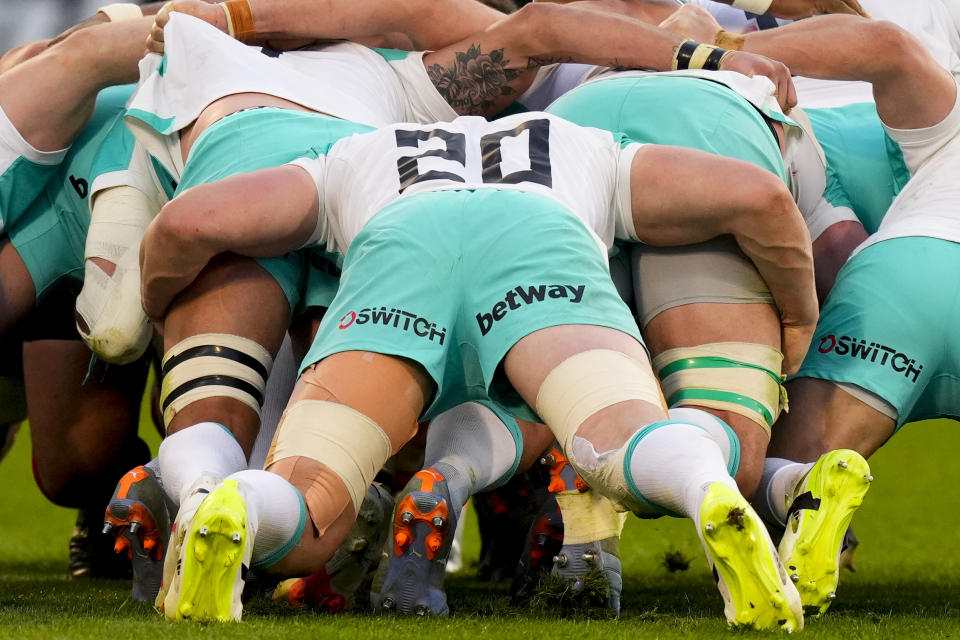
(907, 584)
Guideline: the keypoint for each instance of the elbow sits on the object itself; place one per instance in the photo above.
(534, 27)
(895, 49)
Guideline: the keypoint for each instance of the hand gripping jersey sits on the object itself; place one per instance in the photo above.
(202, 64)
(585, 170)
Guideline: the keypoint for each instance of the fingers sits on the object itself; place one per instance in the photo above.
(851, 7)
(795, 341)
(155, 39)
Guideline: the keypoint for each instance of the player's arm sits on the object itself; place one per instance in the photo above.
(24, 52)
(264, 213)
(911, 90)
(427, 23)
(483, 73)
(684, 196)
(796, 9)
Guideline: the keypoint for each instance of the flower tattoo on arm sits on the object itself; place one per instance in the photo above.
(475, 81)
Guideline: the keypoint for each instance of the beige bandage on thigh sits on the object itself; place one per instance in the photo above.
(713, 271)
(741, 377)
(342, 439)
(117, 329)
(579, 387)
(213, 365)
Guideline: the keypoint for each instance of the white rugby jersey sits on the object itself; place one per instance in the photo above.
(202, 64)
(583, 169)
(929, 204)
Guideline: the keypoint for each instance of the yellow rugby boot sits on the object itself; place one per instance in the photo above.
(214, 559)
(754, 586)
(821, 507)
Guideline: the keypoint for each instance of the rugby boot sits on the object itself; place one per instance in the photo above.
(577, 564)
(170, 585)
(91, 552)
(214, 559)
(504, 517)
(334, 587)
(413, 565)
(821, 507)
(138, 517)
(543, 542)
(589, 560)
(756, 590)
(847, 548)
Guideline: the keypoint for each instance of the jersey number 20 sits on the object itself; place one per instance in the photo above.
(490, 152)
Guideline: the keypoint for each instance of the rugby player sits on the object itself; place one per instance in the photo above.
(364, 429)
(174, 148)
(859, 385)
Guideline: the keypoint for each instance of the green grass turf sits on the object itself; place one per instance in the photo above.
(907, 584)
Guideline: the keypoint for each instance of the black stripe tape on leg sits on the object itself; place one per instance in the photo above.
(215, 380)
(220, 352)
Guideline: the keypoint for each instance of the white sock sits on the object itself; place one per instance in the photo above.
(713, 425)
(283, 377)
(777, 483)
(674, 465)
(275, 515)
(207, 448)
(472, 448)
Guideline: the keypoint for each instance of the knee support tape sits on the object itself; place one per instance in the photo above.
(575, 390)
(213, 365)
(732, 376)
(590, 381)
(117, 328)
(352, 445)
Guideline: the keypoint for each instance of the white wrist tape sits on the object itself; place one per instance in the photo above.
(120, 11)
(119, 331)
(753, 6)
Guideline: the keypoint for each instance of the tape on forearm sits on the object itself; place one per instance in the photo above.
(588, 517)
(694, 55)
(114, 325)
(729, 41)
(758, 7)
(239, 20)
(120, 11)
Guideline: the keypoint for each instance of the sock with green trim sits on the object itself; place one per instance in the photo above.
(673, 465)
(275, 515)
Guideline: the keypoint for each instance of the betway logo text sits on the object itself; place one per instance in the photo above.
(520, 296)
